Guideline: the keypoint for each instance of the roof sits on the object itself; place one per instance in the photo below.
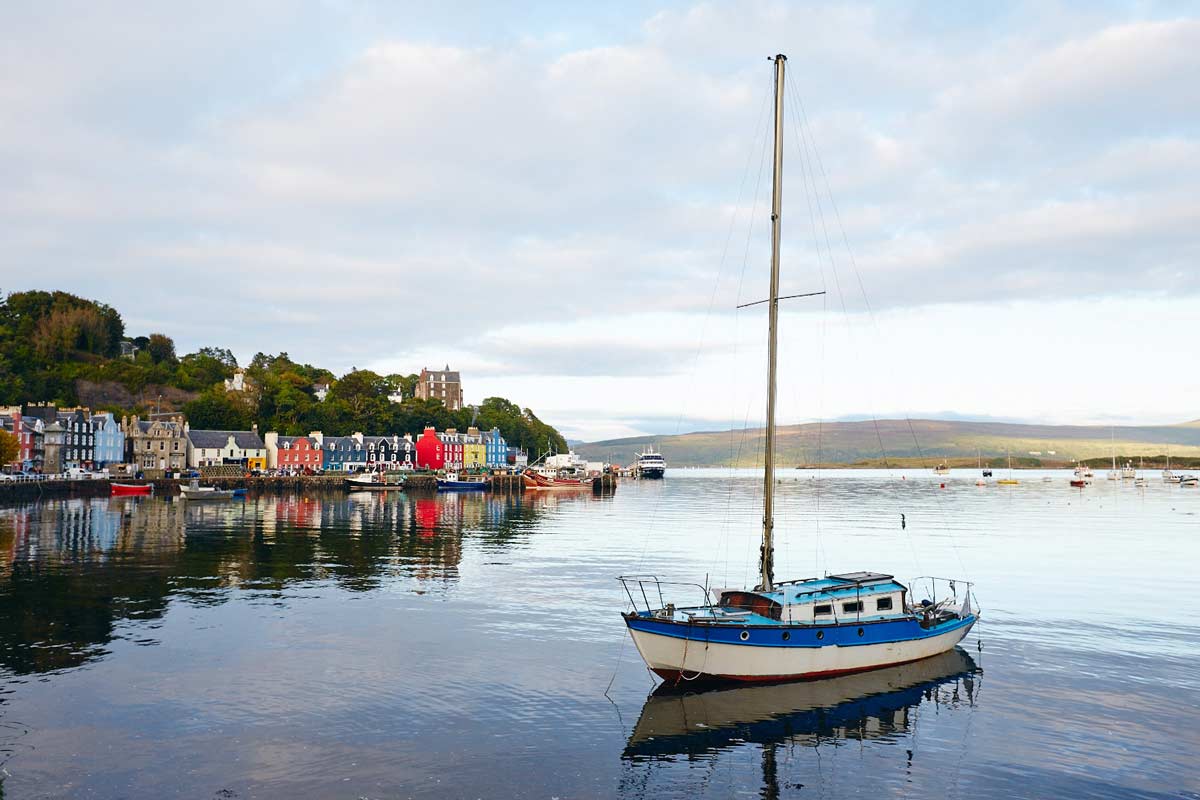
(245, 440)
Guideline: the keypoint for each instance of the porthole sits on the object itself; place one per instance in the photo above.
(745, 635)
(787, 636)
(860, 631)
(820, 634)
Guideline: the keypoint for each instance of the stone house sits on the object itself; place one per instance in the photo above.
(156, 443)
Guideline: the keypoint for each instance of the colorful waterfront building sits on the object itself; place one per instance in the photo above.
(431, 451)
(453, 448)
(159, 442)
(474, 452)
(495, 449)
(245, 449)
(78, 446)
(109, 441)
(390, 452)
(344, 453)
(299, 453)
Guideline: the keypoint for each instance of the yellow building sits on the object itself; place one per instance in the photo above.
(474, 451)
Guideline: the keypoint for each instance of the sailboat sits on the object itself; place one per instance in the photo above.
(1113, 474)
(1167, 475)
(1010, 480)
(793, 629)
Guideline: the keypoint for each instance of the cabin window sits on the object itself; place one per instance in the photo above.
(823, 609)
(852, 608)
(883, 604)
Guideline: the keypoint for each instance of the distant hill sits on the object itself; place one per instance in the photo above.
(904, 442)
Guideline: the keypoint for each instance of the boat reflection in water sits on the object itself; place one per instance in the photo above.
(864, 706)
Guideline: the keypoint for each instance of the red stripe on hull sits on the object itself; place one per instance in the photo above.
(678, 677)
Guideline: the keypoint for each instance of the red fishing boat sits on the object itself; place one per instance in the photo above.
(537, 482)
(130, 489)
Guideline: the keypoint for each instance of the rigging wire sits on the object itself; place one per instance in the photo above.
(810, 157)
(708, 312)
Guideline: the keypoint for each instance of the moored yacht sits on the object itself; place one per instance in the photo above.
(786, 630)
(651, 464)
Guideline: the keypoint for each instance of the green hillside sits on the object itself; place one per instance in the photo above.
(915, 443)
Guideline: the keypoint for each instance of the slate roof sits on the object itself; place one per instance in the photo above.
(215, 440)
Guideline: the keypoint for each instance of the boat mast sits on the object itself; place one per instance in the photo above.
(767, 562)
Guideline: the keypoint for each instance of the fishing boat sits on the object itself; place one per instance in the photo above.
(373, 482)
(651, 464)
(536, 481)
(1082, 473)
(792, 629)
(1128, 473)
(194, 491)
(131, 489)
(453, 482)
(941, 469)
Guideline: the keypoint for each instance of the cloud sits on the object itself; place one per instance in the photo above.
(399, 182)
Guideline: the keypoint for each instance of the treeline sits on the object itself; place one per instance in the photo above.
(51, 341)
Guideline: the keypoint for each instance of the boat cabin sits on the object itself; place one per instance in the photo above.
(850, 597)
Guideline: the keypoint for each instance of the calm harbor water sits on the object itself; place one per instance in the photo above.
(332, 645)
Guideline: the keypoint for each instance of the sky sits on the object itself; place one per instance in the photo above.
(567, 203)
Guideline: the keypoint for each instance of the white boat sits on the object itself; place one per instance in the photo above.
(1167, 475)
(372, 482)
(1128, 473)
(194, 491)
(1114, 473)
(651, 464)
(1083, 473)
(1189, 480)
(793, 629)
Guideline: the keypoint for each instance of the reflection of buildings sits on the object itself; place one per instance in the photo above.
(877, 705)
(73, 568)
(74, 572)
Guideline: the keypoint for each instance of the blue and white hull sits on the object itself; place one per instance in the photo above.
(675, 649)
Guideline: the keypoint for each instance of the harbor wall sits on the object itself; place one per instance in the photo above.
(100, 487)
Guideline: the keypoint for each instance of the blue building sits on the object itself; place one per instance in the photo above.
(495, 449)
(108, 440)
(344, 453)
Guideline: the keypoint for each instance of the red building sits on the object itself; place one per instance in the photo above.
(299, 453)
(454, 450)
(431, 452)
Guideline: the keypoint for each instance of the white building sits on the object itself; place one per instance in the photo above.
(211, 448)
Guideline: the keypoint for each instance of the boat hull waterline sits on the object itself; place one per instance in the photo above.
(679, 651)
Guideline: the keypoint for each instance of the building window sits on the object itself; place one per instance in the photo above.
(883, 604)
(852, 608)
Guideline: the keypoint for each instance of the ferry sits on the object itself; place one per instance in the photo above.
(651, 464)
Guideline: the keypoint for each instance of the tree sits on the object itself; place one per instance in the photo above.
(219, 410)
(161, 348)
(205, 367)
(10, 447)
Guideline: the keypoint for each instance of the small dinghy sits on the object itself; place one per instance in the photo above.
(131, 489)
(194, 491)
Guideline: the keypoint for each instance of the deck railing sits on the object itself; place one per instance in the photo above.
(636, 586)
